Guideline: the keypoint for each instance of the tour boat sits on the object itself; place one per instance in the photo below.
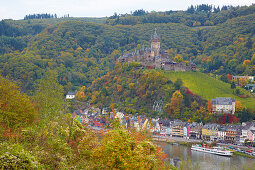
(214, 150)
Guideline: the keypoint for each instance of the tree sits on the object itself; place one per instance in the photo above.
(80, 94)
(191, 9)
(247, 62)
(196, 24)
(229, 76)
(48, 97)
(178, 58)
(178, 83)
(243, 81)
(238, 106)
(122, 149)
(209, 106)
(176, 102)
(248, 44)
(16, 108)
(224, 78)
(233, 85)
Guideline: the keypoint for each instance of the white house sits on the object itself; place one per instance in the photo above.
(223, 105)
(70, 95)
(221, 133)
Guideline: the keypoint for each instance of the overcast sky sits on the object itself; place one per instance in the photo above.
(17, 9)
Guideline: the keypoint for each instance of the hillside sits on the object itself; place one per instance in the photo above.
(208, 87)
(82, 52)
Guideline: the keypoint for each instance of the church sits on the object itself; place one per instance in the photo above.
(155, 58)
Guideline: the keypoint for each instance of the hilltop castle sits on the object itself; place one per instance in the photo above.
(154, 58)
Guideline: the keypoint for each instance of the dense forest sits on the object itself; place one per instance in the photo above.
(82, 51)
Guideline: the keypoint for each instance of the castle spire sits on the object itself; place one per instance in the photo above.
(155, 36)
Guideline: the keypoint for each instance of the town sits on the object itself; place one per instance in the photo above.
(242, 134)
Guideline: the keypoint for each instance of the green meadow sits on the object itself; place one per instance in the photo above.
(208, 87)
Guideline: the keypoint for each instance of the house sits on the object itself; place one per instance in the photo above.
(207, 132)
(178, 129)
(70, 95)
(214, 129)
(251, 135)
(246, 126)
(221, 133)
(195, 130)
(223, 105)
(250, 87)
(186, 131)
(233, 133)
(105, 110)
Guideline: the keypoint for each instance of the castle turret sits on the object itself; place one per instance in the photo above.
(155, 44)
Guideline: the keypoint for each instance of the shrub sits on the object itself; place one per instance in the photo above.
(15, 157)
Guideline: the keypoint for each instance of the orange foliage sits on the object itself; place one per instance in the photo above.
(209, 106)
(119, 88)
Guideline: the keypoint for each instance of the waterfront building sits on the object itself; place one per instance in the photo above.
(246, 126)
(233, 133)
(195, 130)
(206, 132)
(221, 133)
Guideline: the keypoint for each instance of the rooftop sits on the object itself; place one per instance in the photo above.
(223, 101)
(70, 93)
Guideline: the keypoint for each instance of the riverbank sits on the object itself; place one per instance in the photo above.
(243, 154)
(190, 142)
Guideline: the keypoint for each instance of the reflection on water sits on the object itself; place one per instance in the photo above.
(208, 161)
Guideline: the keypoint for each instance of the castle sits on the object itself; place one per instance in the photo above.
(154, 58)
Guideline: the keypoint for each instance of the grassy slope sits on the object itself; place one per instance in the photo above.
(208, 87)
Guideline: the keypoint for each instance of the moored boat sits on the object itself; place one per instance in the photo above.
(214, 150)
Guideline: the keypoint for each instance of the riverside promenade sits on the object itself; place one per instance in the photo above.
(176, 139)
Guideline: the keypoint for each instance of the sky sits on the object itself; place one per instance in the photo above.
(17, 9)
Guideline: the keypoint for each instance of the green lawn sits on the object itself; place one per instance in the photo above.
(208, 87)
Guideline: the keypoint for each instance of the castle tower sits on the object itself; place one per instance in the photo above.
(155, 44)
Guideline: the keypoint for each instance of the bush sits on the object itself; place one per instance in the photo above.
(15, 157)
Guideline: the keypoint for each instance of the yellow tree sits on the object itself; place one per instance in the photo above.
(81, 95)
(209, 106)
(247, 62)
(238, 106)
(15, 108)
(175, 103)
(178, 58)
(243, 81)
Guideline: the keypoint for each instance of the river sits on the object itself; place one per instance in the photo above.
(206, 161)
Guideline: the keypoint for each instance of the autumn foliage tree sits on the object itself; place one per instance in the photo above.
(123, 149)
(238, 106)
(209, 106)
(243, 81)
(80, 94)
(174, 108)
(16, 108)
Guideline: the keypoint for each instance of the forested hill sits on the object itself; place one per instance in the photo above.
(83, 51)
(200, 15)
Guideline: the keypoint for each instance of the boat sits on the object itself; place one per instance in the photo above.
(215, 150)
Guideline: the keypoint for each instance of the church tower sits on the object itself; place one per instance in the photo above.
(155, 44)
